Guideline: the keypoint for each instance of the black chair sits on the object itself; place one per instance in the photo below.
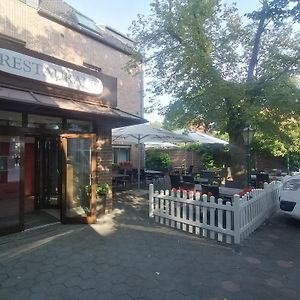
(175, 181)
(190, 170)
(188, 182)
(188, 178)
(187, 185)
(210, 190)
(261, 178)
(134, 175)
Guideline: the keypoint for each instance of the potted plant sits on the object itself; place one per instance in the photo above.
(102, 190)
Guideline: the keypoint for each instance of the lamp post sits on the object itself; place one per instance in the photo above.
(247, 136)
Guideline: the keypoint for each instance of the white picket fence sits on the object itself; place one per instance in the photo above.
(214, 218)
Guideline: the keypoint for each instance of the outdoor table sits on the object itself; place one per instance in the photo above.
(155, 173)
(225, 192)
(229, 192)
(119, 178)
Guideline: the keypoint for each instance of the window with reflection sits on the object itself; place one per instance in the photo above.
(10, 151)
(79, 159)
(79, 126)
(120, 154)
(46, 122)
(10, 118)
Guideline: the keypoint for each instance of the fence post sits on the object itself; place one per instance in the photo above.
(237, 217)
(151, 200)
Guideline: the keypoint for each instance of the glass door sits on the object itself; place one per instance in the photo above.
(48, 166)
(10, 184)
(78, 185)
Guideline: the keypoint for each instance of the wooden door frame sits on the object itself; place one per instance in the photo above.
(78, 219)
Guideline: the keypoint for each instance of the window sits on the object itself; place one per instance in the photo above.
(86, 22)
(120, 154)
(10, 118)
(79, 126)
(38, 121)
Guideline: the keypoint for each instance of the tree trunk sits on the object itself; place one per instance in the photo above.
(235, 126)
(256, 45)
(237, 159)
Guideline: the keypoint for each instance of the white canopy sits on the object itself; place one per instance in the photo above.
(143, 133)
(146, 133)
(160, 145)
(201, 138)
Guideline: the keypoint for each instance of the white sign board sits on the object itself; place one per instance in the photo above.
(33, 68)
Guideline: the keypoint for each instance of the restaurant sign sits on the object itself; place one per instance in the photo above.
(33, 68)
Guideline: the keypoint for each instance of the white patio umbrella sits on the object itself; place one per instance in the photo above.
(160, 145)
(143, 133)
(200, 138)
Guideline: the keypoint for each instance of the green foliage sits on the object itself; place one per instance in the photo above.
(212, 156)
(102, 189)
(217, 68)
(294, 161)
(157, 161)
(87, 190)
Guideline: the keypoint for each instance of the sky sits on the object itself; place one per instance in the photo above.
(119, 15)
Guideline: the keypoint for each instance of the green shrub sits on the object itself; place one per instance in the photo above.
(102, 189)
(157, 161)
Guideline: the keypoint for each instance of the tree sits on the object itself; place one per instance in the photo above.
(219, 69)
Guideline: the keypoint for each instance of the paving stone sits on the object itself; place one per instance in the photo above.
(253, 260)
(21, 295)
(143, 260)
(40, 287)
(72, 281)
(289, 293)
(89, 294)
(25, 283)
(72, 293)
(174, 296)
(55, 289)
(231, 286)
(274, 283)
(285, 264)
(11, 282)
(120, 289)
(5, 293)
(105, 286)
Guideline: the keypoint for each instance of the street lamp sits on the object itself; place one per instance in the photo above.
(247, 136)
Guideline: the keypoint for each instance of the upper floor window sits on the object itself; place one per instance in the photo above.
(86, 22)
(47, 122)
(10, 118)
(79, 126)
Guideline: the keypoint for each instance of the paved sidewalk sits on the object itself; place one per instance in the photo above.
(127, 256)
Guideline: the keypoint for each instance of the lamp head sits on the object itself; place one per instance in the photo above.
(248, 133)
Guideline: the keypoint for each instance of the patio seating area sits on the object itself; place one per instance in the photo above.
(210, 182)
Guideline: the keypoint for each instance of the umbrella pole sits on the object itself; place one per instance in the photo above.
(139, 161)
(185, 158)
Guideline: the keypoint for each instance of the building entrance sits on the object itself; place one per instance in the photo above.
(42, 195)
(46, 179)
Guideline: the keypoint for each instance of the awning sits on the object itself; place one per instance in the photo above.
(31, 98)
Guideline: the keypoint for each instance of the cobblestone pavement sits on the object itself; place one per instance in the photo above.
(127, 256)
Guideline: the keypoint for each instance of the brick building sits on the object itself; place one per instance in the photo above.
(63, 87)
